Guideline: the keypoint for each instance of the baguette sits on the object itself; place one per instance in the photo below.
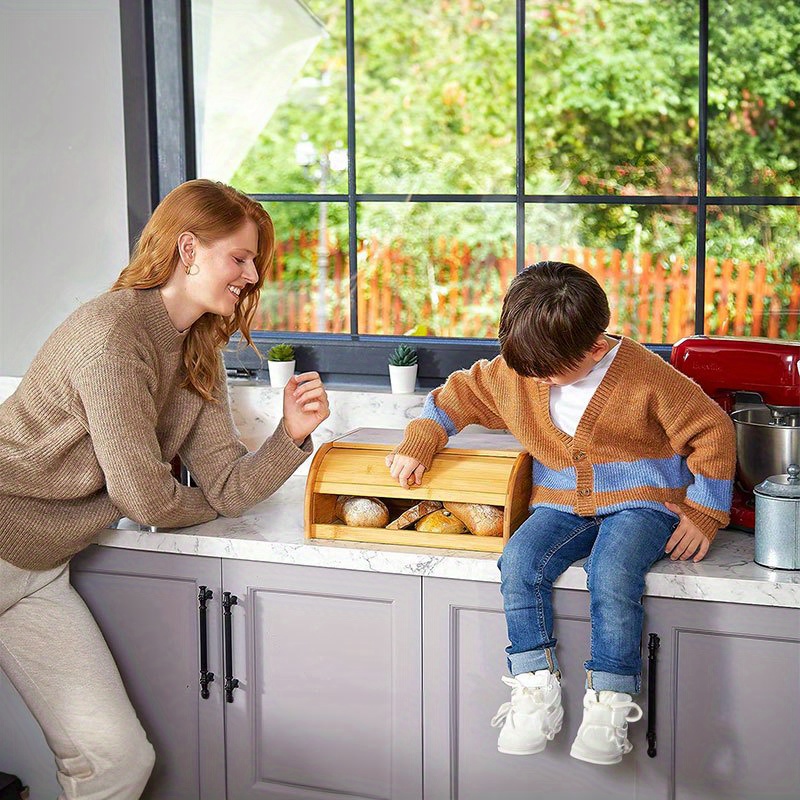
(361, 512)
(414, 514)
(480, 519)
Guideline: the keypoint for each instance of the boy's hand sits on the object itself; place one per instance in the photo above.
(687, 539)
(405, 469)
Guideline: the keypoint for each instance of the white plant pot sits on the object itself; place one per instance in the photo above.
(403, 379)
(280, 372)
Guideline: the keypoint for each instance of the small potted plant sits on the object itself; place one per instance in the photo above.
(403, 369)
(280, 360)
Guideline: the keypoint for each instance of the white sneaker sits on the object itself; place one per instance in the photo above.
(603, 735)
(533, 716)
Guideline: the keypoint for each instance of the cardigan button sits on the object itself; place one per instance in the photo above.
(584, 492)
(578, 455)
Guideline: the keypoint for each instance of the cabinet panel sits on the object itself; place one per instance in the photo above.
(146, 605)
(329, 704)
(464, 659)
(733, 677)
(731, 729)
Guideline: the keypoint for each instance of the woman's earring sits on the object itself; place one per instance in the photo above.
(191, 269)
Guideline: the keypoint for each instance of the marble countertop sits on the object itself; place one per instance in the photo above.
(273, 531)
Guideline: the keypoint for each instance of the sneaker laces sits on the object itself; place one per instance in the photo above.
(633, 714)
(518, 690)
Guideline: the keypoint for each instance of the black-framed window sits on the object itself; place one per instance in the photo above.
(416, 155)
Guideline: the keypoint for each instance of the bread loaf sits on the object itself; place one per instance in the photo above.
(441, 522)
(361, 512)
(480, 519)
(414, 514)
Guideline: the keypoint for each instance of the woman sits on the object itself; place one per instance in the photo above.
(127, 382)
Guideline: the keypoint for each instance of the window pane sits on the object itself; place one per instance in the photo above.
(753, 98)
(309, 288)
(753, 271)
(435, 96)
(434, 269)
(270, 95)
(611, 97)
(643, 256)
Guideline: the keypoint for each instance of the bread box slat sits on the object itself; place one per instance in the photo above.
(484, 468)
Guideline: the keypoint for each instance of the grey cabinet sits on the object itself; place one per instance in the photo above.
(355, 685)
(146, 605)
(328, 664)
(463, 660)
(727, 712)
(728, 700)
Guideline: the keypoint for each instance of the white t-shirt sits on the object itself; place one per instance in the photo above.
(567, 403)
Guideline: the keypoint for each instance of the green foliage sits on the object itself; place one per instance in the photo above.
(281, 352)
(403, 356)
(611, 107)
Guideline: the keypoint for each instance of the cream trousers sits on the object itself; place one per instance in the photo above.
(53, 652)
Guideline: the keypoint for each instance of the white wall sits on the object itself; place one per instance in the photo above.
(63, 215)
(63, 219)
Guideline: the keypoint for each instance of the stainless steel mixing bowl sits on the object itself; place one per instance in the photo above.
(763, 449)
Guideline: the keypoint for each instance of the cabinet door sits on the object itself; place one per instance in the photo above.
(731, 678)
(464, 658)
(146, 605)
(329, 697)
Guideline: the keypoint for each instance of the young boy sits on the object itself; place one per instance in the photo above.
(631, 461)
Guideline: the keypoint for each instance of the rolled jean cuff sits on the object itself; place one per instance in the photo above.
(533, 660)
(611, 682)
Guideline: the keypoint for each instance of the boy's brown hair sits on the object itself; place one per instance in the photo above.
(552, 314)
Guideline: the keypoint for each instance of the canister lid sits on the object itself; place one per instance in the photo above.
(782, 485)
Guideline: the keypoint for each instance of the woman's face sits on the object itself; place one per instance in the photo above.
(220, 270)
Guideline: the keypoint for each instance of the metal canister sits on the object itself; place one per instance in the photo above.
(777, 534)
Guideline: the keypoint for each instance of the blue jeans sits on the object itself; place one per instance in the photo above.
(621, 548)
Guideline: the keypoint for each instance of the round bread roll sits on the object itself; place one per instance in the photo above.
(362, 512)
(480, 519)
(441, 522)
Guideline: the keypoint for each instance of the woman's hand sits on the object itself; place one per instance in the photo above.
(405, 469)
(305, 405)
(687, 539)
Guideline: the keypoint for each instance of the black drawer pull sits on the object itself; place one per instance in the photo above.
(652, 649)
(231, 683)
(206, 677)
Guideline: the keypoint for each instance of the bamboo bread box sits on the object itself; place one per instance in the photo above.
(486, 468)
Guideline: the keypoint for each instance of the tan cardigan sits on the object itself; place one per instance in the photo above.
(649, 435)
(90, 432)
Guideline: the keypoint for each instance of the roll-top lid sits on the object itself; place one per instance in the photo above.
(782, 485)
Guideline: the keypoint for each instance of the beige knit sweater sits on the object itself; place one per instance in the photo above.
(90, 432)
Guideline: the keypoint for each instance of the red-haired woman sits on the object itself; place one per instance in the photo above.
(126, 383)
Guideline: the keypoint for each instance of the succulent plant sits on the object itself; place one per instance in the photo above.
(281, 352)
(403, 356)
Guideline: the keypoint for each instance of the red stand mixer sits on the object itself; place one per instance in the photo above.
(767, 435)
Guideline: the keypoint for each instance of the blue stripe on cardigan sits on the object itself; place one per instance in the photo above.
(554, 478)
(711, 493)
(659, 473)
(431, 411)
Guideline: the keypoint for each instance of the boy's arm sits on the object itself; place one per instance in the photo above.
(702, 432)
(467, 397)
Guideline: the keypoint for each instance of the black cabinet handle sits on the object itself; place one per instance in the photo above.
(206, 677)
(653, 644)
(231, 683)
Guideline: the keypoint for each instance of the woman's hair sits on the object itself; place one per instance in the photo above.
(552, 315)
(211, 211)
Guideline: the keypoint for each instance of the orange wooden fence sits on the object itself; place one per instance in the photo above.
(652, 297)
